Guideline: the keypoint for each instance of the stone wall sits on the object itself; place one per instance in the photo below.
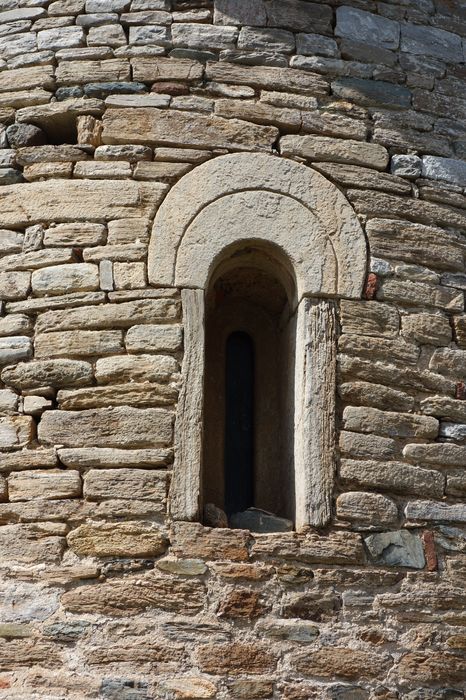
(104, 105)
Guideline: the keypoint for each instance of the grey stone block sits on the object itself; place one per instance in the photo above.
(429, 41)
(20, 135)
(445, 169)
(102, 90)
(364, 26)
(245, 12)
(149, 34)
(372, 93)
(311, 44)
(96, 20)
(399, 548)
(357, 51)
(251, 38)
(10, 176)
(406, 166)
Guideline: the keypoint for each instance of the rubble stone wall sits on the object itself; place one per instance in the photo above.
(104, 106)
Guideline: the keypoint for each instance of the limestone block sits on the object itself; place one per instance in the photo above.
(425, 328)
(14, 349)
(109, 458)
(288, 119)
(371, 93)
(444, 169)
(107, 35)
(354, 176)
(59, 116)
(15, 324)
(79, 72)
(107, 427)
(287, 79)
(255, 38)
(46, 155)
(50, 484)
(335, 548)
(207, 543)
(126, 152)
(27, 78)
(421, 294)
(369, 318)
(14, 285)
(80, 277)
(236, 658)
(152, 126)
(415, 243)
(24, 13)
(445, 408)
(432, 667)
(108, 252)
(381, 205)
(126, 231)
(353, 368)
(134, 394)
(406, 166)
(142, 100)
(189, 687)
(102, 170)
(79, 235)
(3, 490)
(35, 405)
(105, 484)
(320, 148)
(379, 349)
(63, 37)
(8, 401)
(76, 200)
(371, 446)
(434, 511)
(367, 28)
(431, 41)
(366, 509)
(130, 596)
(16, 431)
(20, 653)
(149, 69)
(35, 259)
(459, 324)
(41, 171)
(454, 431)
(376, 396)
(449, 361)
(55, 373)
(129, 275)
(439, 454)
(204, 36)
(389, 424)
(152, 338)
(28, 459)
(12, 241)
(23, 98)
(109, 315)
(28, 544)
(398, 548)
(342, 662)
(149, 35)
(161, 170)
(134, 539)
(78, 343)
(456, 483)
(130, 368)
(398, 477)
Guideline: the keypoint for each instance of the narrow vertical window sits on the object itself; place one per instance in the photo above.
(239, 423)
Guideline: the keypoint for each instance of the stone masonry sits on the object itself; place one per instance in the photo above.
(104, 106)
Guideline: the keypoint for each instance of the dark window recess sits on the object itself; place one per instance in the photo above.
(239, 423)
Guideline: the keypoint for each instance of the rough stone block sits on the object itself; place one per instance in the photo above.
(444, 169)
(49, 484)
(449, 361)
(439, 454)
(366, 509)
(81, 72)
(64, 37)
(29, 544)
(398, 548)
(204, 36)
(152, 338)
(153, 126)
(134, 539)
(398, 477)
(207, 543)
(312, 44)
(370, 93)
(445, 408)
(287, 79)
(27, 78)
(369, 318)
(368, 28)
(56, 373)
(389, 424)
(107, 427)
(334, 662)
(425, 328)
(28, 459)
(131, 275)
(375, 395)
(16, 431)
(360, 445)
(434, 511)
(255, 38)
(133, 394)
(105, 484)
(61, 279)
(138, 368)
(109, 458)
(14, 349)
(14, 285)
(431, 41)
(78, 343)
(421, 294)
(79, 235)
(236, 659)
(322, 148)
(379, 349)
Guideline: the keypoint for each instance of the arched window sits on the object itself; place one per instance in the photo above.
(260, 246)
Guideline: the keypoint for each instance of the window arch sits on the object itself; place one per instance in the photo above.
(311, 235)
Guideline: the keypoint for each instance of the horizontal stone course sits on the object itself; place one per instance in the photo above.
(397, 477)
(47, 484)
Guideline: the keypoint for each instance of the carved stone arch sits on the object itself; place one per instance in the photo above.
(280, 201)
(263, 201)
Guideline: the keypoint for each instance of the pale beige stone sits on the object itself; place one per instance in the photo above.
(78, 72)
(295, 196)
(107, 427)
(102, 170)
(431, 329)
(146, 68)
(323, 148)
(110, 458)
(59, 279)
(449, 361)
(15, 324)
(439, 454)
(135, 539)
(32, 543)
(366, 446)
(14, 285)
(150, 368)
(264, 76)
(389, 423)
(3, 489)
(36, 259)
(161, 170)
(154, 338)
(50, 484)
(144, 484)
(26, 78)
(133, 394)
(123, 231)
(78, 343)
(354, 176)
(28, 459)
(129, 275)
(445, 408)
(76, 200)
(148, 125)
(375, 395)
(55, 373)
(189, 687)
(80, 235)
(382, 349)
(109, 316)
(369, 318)
(421, 294)
(16, 431)
(398, 477)
(370, 509)
(21, 98)
(8, 401)
(122, 253)
(89, 130)
(259, 113)
(44, 171)
(62, 301)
